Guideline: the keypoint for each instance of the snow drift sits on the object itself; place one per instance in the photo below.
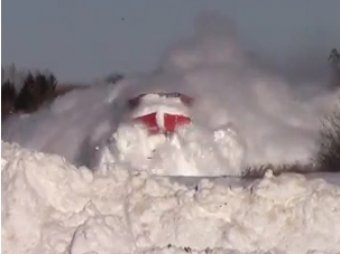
(50, 206)
(278, 121)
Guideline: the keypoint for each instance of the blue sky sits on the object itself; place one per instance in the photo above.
(84, 39)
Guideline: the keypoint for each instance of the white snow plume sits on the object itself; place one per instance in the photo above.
(50, 206)
(278, 121)
(73, 126)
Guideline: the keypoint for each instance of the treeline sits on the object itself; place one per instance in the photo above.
(27, 92)
(36, 90)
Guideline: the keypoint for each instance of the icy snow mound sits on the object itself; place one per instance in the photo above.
(50, 206)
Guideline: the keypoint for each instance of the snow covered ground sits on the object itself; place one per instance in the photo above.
(50, 206)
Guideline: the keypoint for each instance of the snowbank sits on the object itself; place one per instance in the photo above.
(50, 206)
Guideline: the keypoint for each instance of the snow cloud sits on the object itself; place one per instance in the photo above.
(278, 119)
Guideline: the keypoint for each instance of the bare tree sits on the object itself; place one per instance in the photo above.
(8, 98)
(328, 158)
(334, 59)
